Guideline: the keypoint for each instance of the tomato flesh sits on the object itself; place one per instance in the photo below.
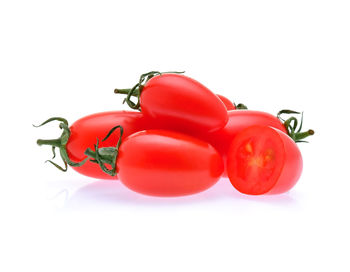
(167, 163)
(238, 120)
(263, 160)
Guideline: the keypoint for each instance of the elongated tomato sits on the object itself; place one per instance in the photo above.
(86, 130)
(167, 163)
(83, 134)
(178, 102)
(263, 160)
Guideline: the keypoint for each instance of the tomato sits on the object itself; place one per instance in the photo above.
(167, 163)
(83, 133)
(227, 102)
(263, 160)
(237, 121)
(182, 102)
(178, 102)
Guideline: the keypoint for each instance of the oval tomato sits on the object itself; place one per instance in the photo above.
(263, 160)
(167, 163)
(178, 102)
(85, 131)
(227, 102)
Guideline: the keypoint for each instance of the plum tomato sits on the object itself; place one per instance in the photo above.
(163, 163)
(83, 133)
(178, 102)
(263, 160)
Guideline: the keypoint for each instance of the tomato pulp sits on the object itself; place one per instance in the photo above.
(263, 160)
(167, 163)
(182, 103)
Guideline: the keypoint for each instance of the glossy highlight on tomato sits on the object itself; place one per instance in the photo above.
(178, 102)
(263, 160)
(227, 102)
(167, 163)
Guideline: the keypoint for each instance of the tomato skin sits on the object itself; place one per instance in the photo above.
(227, 102)
(167, 163)
(263, 160)
(293, 166)
(237, 121)
(86, 130)
(182, 103)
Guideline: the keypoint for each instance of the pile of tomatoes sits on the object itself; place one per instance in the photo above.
(180, 139)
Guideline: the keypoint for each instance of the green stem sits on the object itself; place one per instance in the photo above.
(106, 155)
(60, 143)
(241, 106)
(136, 90)
(90, 153)
(52, 142)
(291, 125)
(302, 135)
(126, 91)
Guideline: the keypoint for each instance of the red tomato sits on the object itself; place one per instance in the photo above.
(181, 103)
(263, 160)
(85, 131)
(167, 163)
(237, 121)
(227, 102)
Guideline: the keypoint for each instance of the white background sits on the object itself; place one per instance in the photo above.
(64, 58)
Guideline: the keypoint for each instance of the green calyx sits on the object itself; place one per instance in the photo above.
(106, 155)
(60, 143)
(241, 106)
(291, 125)
(137, 89)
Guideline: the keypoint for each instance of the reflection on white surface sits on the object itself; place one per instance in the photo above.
(60, 198)
(106, 194)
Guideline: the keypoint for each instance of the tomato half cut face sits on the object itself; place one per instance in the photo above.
(263, 160)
